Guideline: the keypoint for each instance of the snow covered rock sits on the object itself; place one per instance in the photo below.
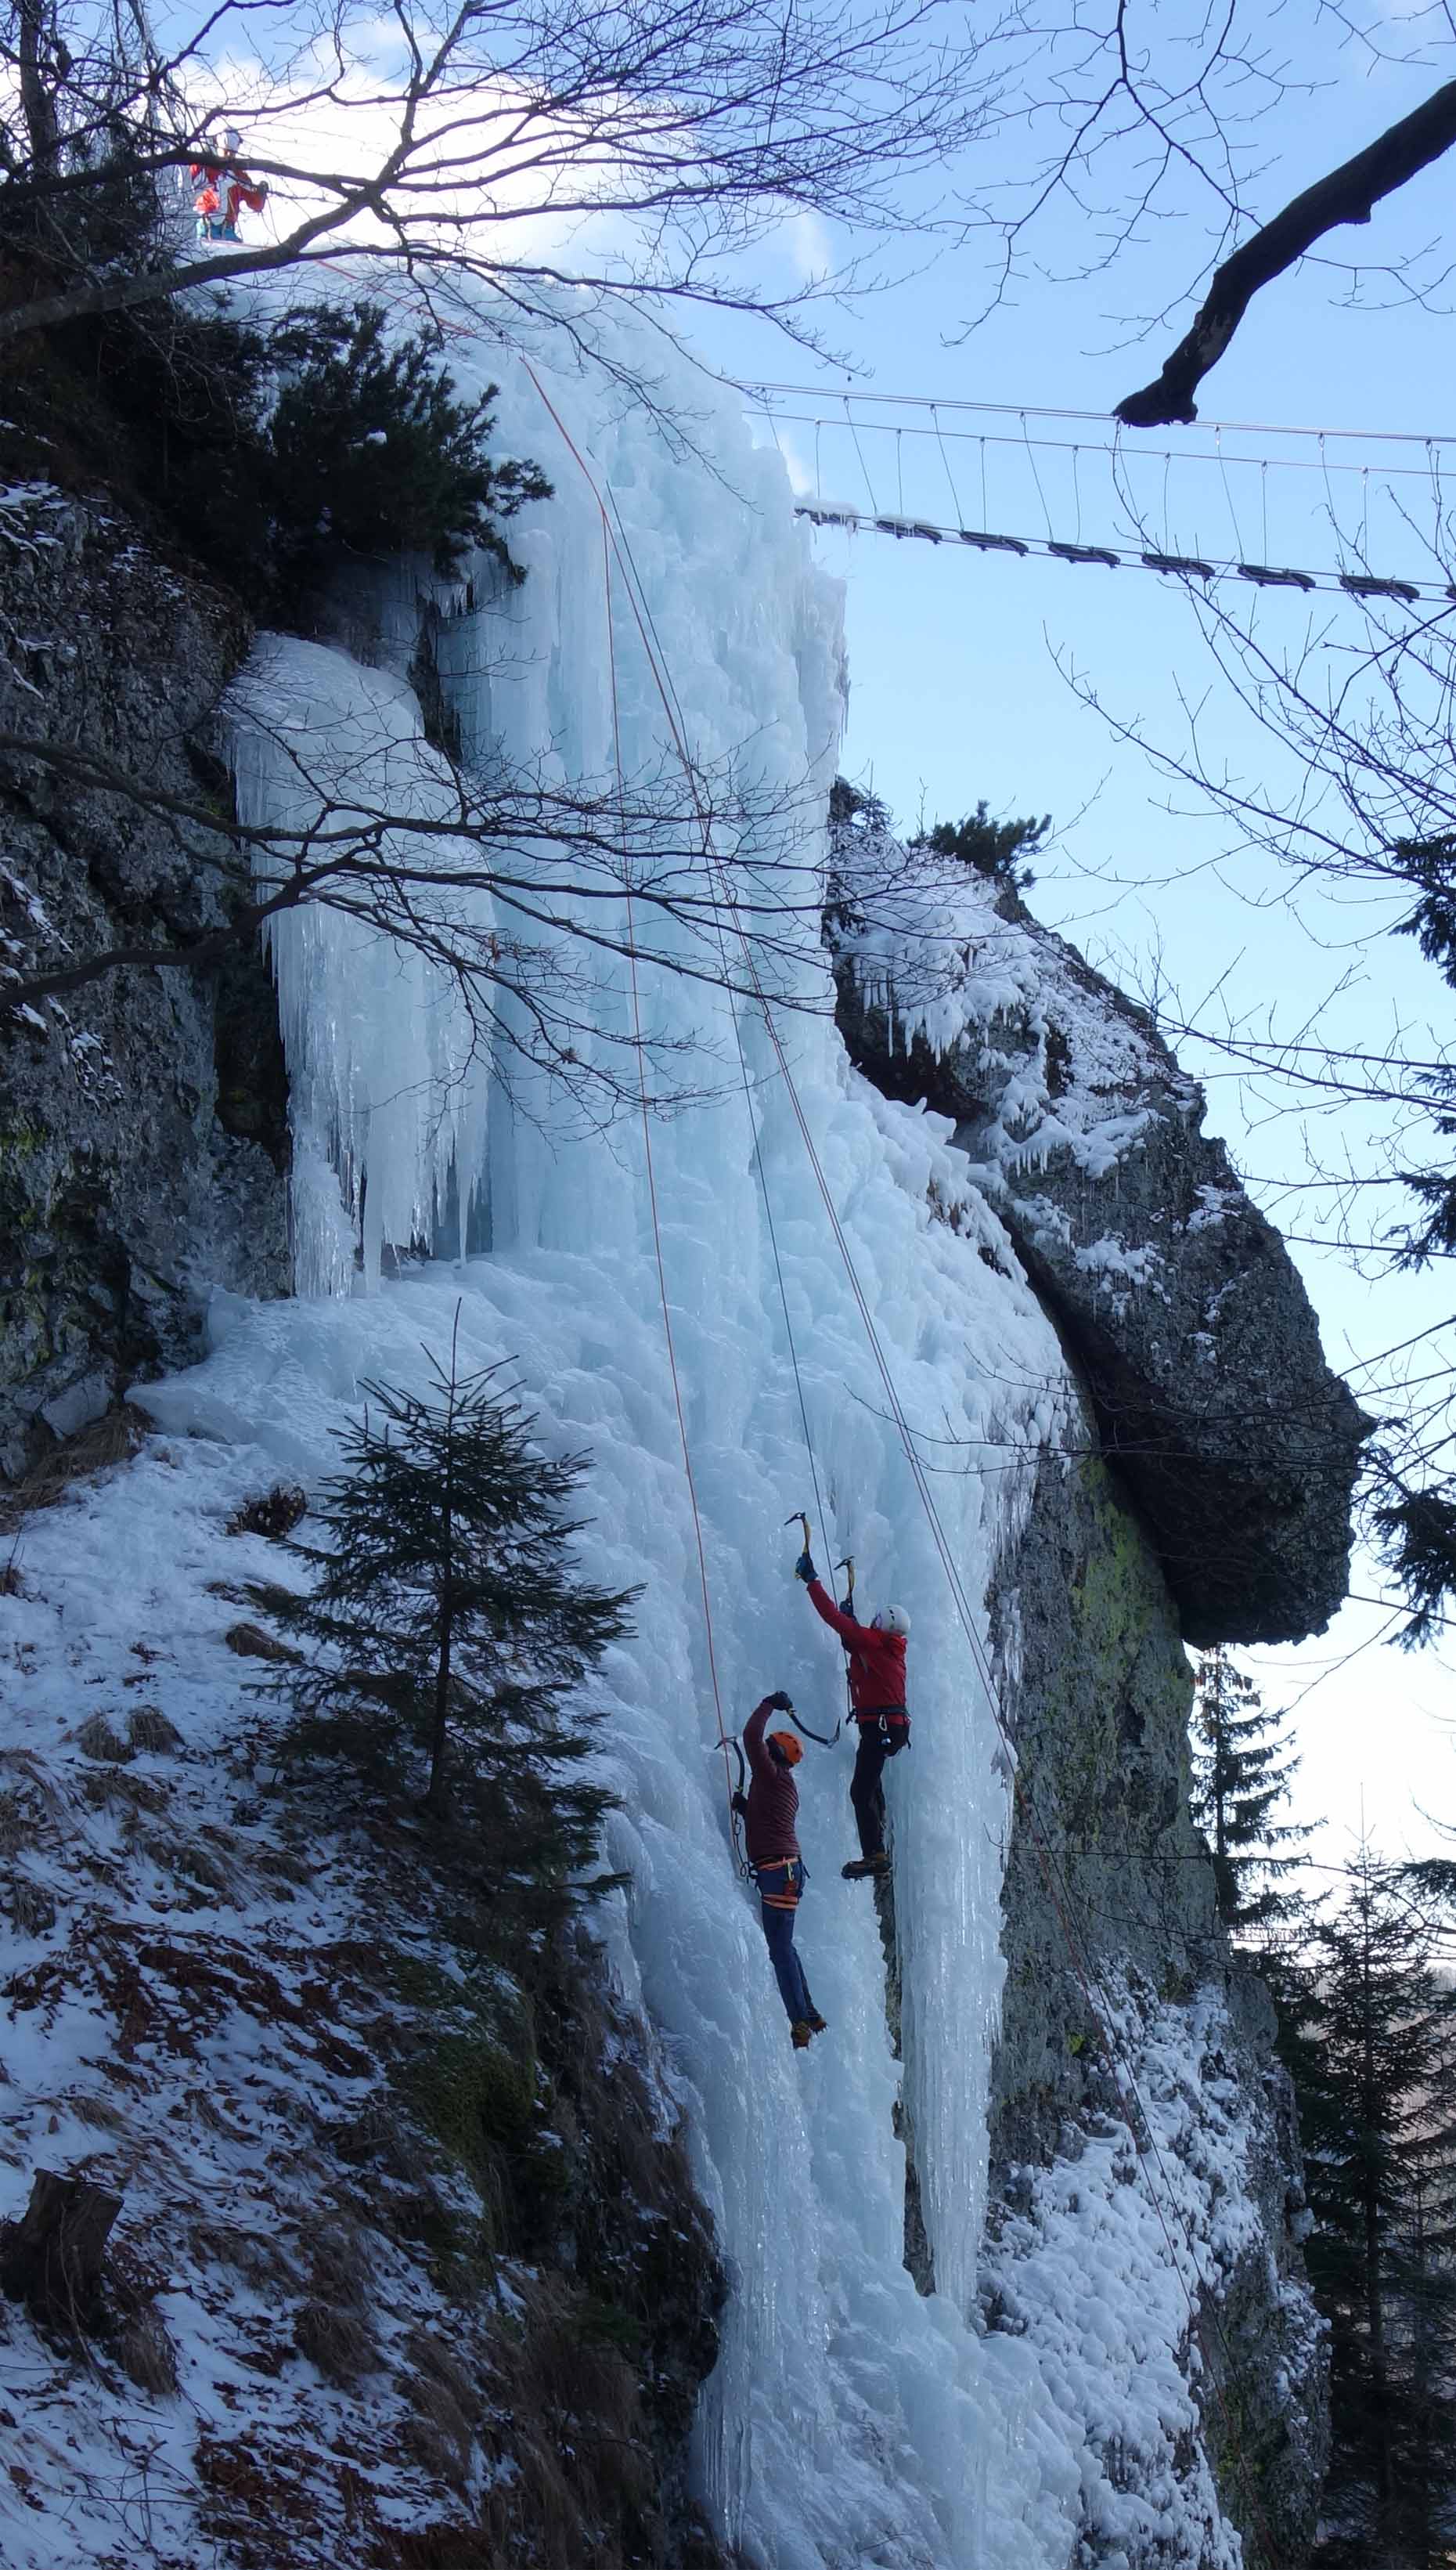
(407, 2266)
(1174, 1299)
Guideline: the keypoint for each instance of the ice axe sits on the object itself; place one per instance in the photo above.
(730, 1740)
(826, 1740)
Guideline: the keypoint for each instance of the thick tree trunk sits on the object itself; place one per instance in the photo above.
(436, 1796)
(52, 2256)
(1372, 2107)
(36, 58)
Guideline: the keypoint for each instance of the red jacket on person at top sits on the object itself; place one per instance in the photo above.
(877, 1660)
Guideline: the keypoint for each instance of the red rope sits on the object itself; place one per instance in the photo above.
(687, 1466)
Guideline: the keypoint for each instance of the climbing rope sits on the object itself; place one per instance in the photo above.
(687, 1465)
(658, 663)
(1134, 2112)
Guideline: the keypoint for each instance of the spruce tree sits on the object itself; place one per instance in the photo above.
(1377, 2104)
(448, 1635)
(374, 454)
(1242, 1766)
(997, 849)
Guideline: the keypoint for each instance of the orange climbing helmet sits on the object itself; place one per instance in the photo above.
(789, 1748)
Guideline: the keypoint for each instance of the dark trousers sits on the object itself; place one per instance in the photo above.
(778, 1928)
(879, 1740)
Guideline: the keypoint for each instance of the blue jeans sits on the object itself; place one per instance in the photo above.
(774, 1884)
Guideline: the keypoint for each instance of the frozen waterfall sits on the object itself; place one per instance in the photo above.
(850, 2420)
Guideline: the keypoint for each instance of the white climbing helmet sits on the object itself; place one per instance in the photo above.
(891, 1620)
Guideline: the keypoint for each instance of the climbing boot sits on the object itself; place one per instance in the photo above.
(864, 1865)
(803, 2035)
(815, 2023)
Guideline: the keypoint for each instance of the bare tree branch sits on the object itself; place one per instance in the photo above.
(455, 139)
(1348, 195)
(514, 888)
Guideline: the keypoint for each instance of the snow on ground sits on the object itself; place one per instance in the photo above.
(193, 2011)
(194, 2015)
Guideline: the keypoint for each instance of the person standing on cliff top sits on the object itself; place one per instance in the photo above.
(224, 187)
(876, 1702)
(770, 1811)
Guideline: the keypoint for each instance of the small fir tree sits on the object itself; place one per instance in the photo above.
(1242, 1766)
(447, 1628)
(271, 453)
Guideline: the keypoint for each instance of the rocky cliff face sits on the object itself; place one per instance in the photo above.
(1109, 1919)
(1176, 1300)
(141, 1115)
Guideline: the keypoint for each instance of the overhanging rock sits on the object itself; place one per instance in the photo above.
(1173, 1294)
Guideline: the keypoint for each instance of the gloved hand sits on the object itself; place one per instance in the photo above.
(804, 1568)
(781, 1703)
(740, 1805)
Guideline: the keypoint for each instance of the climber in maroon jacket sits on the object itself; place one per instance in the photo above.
(770, 1813)
(876, 1702)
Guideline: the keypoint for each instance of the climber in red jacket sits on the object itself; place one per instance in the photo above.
(770, 1811)
(876, 1702)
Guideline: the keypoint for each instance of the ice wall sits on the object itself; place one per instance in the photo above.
(848, 2420)
(388, 1081)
